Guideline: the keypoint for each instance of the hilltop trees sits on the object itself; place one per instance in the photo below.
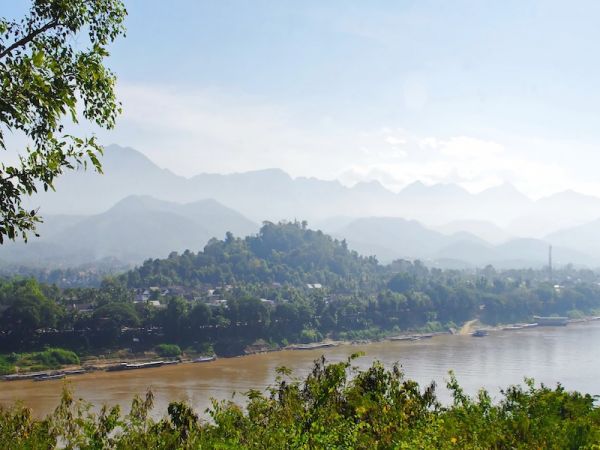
(51, 61)
(280, 253)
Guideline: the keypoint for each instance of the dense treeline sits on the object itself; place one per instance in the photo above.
(87, 275)
(287, 284)
(333, 407)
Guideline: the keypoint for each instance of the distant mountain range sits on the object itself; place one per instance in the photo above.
(484, 230)
(391, 238)
(136, 228)
(273, 195)
(584, 238)
(138, 210)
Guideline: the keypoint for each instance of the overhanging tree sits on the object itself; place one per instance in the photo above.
(51, 61)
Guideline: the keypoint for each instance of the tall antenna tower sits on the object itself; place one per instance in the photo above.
(550, 262)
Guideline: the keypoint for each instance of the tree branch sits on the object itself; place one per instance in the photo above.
(26, 39)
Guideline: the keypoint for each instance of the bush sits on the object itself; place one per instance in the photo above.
(51, 358)
(204, 348)
(575, 314)
(310, 335)
(6, 367)
(168, 350)
(432, 327)
(372, 333)
(336, 406)
(60, 356)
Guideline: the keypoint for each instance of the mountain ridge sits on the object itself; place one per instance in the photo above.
(496, 215)
(272, 194)
(135, 228)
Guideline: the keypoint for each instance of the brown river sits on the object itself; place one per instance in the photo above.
(569, 355)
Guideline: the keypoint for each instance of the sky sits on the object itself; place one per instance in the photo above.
(471, 92)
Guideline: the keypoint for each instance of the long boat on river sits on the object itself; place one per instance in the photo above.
(74, 371)
(203, 359)
(24, 376)
(49, 377)
(314, 346)
(42, 376)
(551, 321)
(415, 337)
(403, 338)
(134, 366)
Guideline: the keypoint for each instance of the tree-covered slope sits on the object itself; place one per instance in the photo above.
(279, 253)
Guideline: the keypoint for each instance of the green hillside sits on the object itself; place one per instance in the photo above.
(279, 253)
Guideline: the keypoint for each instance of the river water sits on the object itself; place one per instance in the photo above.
(569, 355)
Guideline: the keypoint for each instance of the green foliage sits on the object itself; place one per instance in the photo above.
(50, 59)
(432, 327)
(281, 253)
(310, 335)
(6, 366)
(203, 348)
(575, 314)
(402, 282)
(372, 333)
(335, 406)
(122, 313)
(28, 308)
(168, 350)
(50, 358)
(262, 288)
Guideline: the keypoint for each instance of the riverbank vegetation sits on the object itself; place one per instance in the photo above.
(168, 350)
(336, 406)
(50, 358)
(287, 284)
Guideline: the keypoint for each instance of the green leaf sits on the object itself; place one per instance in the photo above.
(38, 59)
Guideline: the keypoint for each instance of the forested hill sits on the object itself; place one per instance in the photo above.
(287, 252)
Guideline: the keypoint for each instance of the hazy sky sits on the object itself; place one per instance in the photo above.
(474, 92)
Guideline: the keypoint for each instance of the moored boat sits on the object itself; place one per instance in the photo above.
(144, 365)
(55, 376)
(202, 359)
(480, 333)
(513, 327)
(74, 372)
(171, 363)
(117, 367)
(133, 366)
(551, 321)
(401, 338)
(23, 376)
(314, 346)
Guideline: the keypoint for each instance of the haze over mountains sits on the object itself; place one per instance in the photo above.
(137, 210)
(136, 228)
(389, 237)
